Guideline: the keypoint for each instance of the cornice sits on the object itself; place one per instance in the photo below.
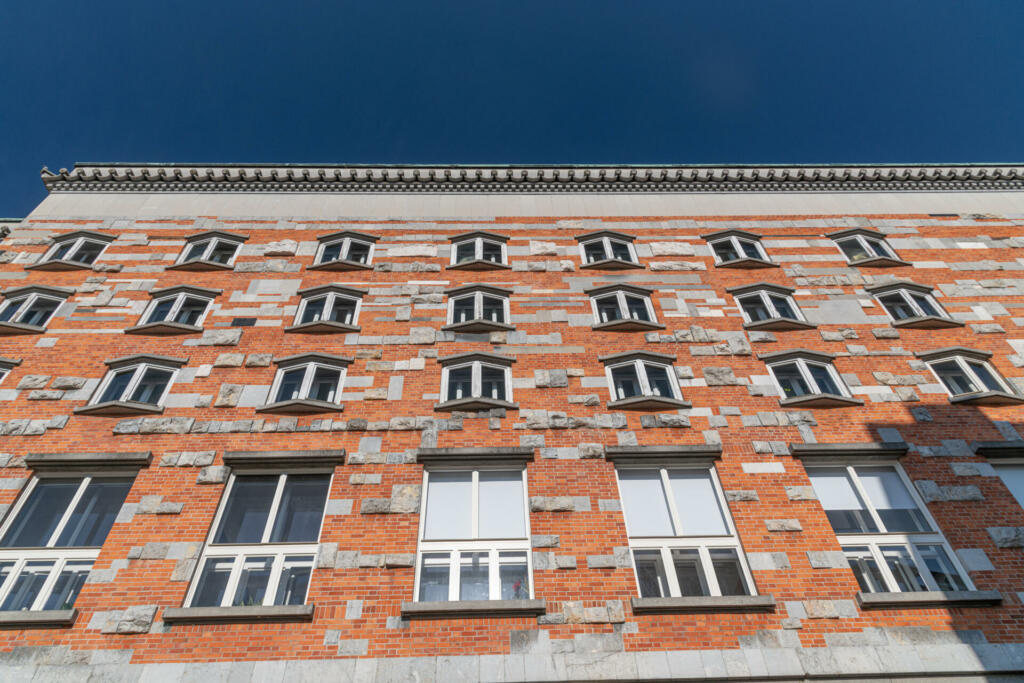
(117, 177)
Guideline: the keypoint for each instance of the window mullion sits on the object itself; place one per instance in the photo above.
(670, 572)
(307, 380)
(805, 372)
(179, 301)
(476, 380)
(455, 563)
(274, 505)
(620, 300)
(709, 571)
(5, 586)
(641, 373)
(922, 567)
(478, 305)
(493, 584)
(136, 378)
(474, 527)
(47, 587)
(883, 567)
(59, 529)
(233, 578)
(851, 472)
(276, 569)
(666, 486)
(767, 301)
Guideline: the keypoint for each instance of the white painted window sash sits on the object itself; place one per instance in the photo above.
(60, 560)
(330, 299)
(606, 245)
(737, 246)
(863, 242)
(137, 372)
(969, 371)
(73, 251)
(212, 244)
(309, 370)
(766, 299)
(478, 249)
(478, 306)
(26, 305)
(179, 301)
(641, 373)
(476, 379)
(802, 366)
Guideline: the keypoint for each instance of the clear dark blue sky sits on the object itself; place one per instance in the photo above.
(553, 81)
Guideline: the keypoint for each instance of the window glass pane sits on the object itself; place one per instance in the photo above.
(789, 378)
(294, 581)
(493, 309)
(897, 306)
(594, 251)
(608, 309)
(865, 569)
(88, 252)
(853, 249)
(925, 304)
(465, 251)
(301, 509)
(39, 313)
(891, 500)
(213, 581)
(755, 309)
(449, 505)
(1013, 477)
(191, 311)
(491, 251)
(901, 564)
(625, 381)
(936, 559)
(877, 247)
(92, 518)
(314, 309)
(697, 505)
(515, 584)
(195, 250)
(823, 378)
(11, 307)
(725, 251)
(843, 507)
(331, 252)
(325, 385)
(291, 384)
(463, 309)
(637, 308)
(27, 586)
(6, 567)
(750, 249)
(783, 307)
(161, 310)
(41, 513)
(434, 577)
(245, 515)
(492, 382)
(69, 582)
(658, 379)
(986, 376)
(620, 250)
(151, 388)
(117, 385)
(460, 382)
(643, 498)
(61, 251)
(650, 574)
(343, 310)
(223, 251)
(252, 581)
(474, 583)
(358, 252)
(955, 379)
(689, 573)
(501, 505)
(726, 563)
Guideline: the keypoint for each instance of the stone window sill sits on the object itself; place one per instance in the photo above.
(747, 263)
(474, 404)
(38, 619)
(479, 264)
(991, 398)
(20, 328)
(60, 265)
(628, 325)
(479, 326)
(301, 407)
(213, 615)
(879, 262)
(779, 324)
(163, 329)
(115, 408)
(469, 609)
(929, 599)
(821, 401)
(647, 403)
(612, 264)
(322, 327)
(340, 264)
(199, 265)
(710, 604)
(927, 322)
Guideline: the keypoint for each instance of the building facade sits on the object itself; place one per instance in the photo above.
(514, 424)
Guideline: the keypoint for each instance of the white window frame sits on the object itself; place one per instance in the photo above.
(478, 250)
(862, 240)
(213, 240)
(60, 556)
(641, 373)
(606, 244)
(328, 305)
(874, 541)
(240, 551)
(26, 303)
(4, 371)
(310, 369)
(180, 298)
(456, 547)
(766, 298)
(907, 295)
(346, 243)
(78, 242)
(140, 370)
(702, 544)
(735, 241)
(620, 298)
(477, 380)
(478, 306)
(962, 362)
(802, 364)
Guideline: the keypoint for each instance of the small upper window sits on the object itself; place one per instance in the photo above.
(738, 249)
(623, 307)
(641, 380)
(78, 249)
(175, 310)
(475, 380)
(27, 310)
(863, 247)
(134, 384)
(6, 365)
(345, 250)
(308, 383)
(912, 305)
(607, 249)
(328, 309)
(807, 377)
(969, 377)
(212, 250)
(479, 251)
(766, 306)
(478, 308)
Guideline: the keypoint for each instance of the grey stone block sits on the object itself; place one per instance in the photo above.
(768, 561)
(33, 381)
(975, 560)
(801, 493)
(827, 559)
(213, 474)
(544, 541)
(783, 525)
(375, 506)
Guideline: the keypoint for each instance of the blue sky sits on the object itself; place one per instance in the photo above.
(505, 82)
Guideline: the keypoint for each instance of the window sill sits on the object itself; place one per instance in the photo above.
(199, 265)
(647, 403)
(340, 264)
(214, 615)
(725, 603)
(746, 263)
(821, 401)
(628, 325)
(878, 262)
(479, 326)
(612, 264)
(473, 404)
(114, 408)
(38, 619)
(929, 599)
(60, 265)
(322, 327)
(779, 324)
(479, 264)
(469, 609)
(926, 322)
(988, 398)
(20, 328)
(301, 406)
(163, 329)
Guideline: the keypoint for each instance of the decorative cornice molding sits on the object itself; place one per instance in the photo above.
(89, 177)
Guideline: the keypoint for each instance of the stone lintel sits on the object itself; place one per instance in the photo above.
(187, 289)
(327, 358)
(637, 355)
(608, 289)
(723, 603)
(277, 459)
(64, 460)
(200, 615)
(999, 449)
(115, 363)
(49, 290)
(476, 355)
(302, 406)
(587, 236)
(342, 234)
(462, 237)
(945, 351)
(868, 449)
(222, 234)
(513, 455)
(479, 287)
(163, 329)
(648, 403)
(474, 404)
(354, 292)
(115, 408)
(821, 401)
(675, 454)
(790, 354)
(612, 264)
(740, 290)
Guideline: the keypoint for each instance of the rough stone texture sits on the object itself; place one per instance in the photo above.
(783, 525)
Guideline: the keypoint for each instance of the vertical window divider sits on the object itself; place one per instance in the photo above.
(275, 504)
(862, 492)
(59, 529)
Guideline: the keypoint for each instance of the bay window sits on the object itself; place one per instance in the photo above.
(969, 377)
(623, 307)
(345, 250)
(475, 380)
(479, 250)
(134, 384)
(78, 249)
(912, 305)
(737, 248)
(767, 306)
(27, 310)
(805, 377)
(607, 249)
(175, 310)
(863, 247)
(478, 308)
(211, 250)
(642, 379)
(307, 383)
(328, 309)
